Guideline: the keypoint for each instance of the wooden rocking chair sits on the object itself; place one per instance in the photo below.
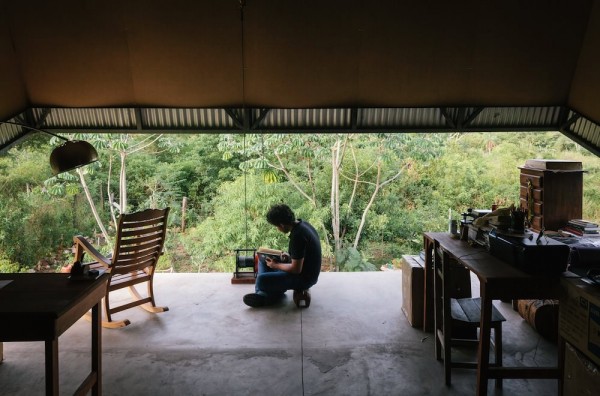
(139, 244)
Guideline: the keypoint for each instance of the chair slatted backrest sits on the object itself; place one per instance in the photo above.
(140, 240)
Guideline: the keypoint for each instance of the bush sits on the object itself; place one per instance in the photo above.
(7, 266)
(350, 260)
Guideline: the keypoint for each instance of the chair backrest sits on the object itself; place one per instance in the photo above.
(140, 240)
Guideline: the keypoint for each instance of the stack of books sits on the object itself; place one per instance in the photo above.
(581, 228)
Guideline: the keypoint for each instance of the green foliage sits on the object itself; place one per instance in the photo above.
(165, 262)
(7, 266)
(33, 225)
(239, 218)
(22, 170)
(350, 260)
(230, 181)
(33, 228)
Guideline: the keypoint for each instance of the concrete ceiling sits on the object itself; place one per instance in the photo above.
(310, 65)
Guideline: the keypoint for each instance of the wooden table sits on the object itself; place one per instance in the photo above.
(498, 281)
(41, 307)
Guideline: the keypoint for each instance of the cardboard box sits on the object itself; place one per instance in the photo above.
(413, 282)
(582, 376)
(579, 316)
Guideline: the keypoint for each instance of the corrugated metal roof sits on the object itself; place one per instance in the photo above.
(517, 117)
(583, 131)
(301, 119)
(9, 133)
(319, 120)
(186, 119)
(67, 118)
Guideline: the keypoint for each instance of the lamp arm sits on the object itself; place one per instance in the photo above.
(34, 129)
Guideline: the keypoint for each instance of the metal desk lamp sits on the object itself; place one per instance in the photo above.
(70, 155)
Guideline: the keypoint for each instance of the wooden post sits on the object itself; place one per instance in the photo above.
(183, 207)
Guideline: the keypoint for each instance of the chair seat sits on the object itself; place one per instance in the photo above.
(120, 281)
(468, 310)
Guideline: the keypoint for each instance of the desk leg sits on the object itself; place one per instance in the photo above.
(428, 298)
(483, 355)
(561, 364)
(52, 367)
(97, 349)
(1, 352)
(438, 308)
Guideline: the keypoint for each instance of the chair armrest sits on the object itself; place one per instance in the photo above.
(83, 246)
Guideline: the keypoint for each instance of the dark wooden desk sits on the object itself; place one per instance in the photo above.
(498, 280)
(41, 307)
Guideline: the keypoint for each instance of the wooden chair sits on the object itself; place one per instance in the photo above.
(138, 246)
(464, 312)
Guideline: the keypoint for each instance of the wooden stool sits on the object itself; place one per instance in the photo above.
(464, 312)
(302, 298)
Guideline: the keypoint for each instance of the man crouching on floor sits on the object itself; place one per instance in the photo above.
(276, 277)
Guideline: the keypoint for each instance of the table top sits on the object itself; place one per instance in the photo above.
(476, 258)
(42, 306)
(495, 272)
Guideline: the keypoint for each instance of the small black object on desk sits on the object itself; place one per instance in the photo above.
(531, 253)
(81, 271)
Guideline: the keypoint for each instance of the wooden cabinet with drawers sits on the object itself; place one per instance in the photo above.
(552, 197)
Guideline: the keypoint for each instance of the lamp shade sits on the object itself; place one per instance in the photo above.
(71, 155)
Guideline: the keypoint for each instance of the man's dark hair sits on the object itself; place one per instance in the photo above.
(280, 214)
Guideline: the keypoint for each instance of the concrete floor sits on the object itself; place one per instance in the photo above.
(353, 340)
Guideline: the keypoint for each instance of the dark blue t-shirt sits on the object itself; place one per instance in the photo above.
(305, 243)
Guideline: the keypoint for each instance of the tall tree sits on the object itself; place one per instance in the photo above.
(300, 158)
(114, 146)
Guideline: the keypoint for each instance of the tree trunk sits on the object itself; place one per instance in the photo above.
(111, 195)
(336, 154)
(355, 182)
(366, 211)
(101, 196)
(123, 185)
(183, 208)
(93, 207)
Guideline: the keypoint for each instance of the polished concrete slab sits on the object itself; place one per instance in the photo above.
(353, 340)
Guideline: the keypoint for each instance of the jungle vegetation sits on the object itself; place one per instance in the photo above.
(371, 196)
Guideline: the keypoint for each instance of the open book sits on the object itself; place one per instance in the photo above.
(272, 253)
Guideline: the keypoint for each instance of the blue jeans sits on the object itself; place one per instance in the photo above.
(274, 283)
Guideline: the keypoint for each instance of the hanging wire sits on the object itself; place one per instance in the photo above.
(245, 196)
(262, 144)
(242, 5)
